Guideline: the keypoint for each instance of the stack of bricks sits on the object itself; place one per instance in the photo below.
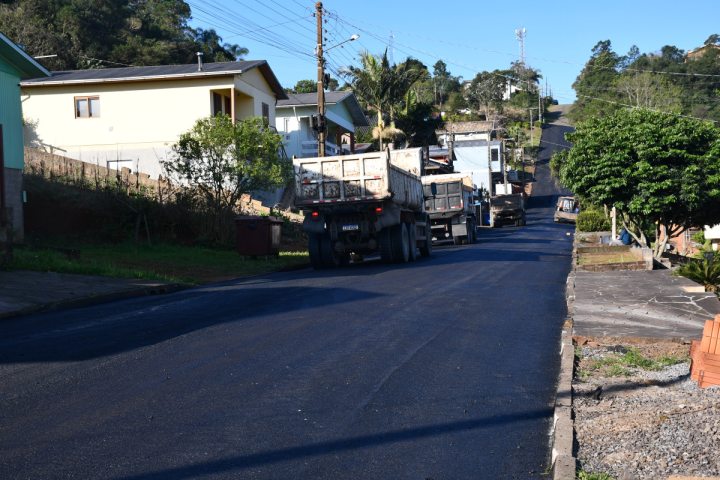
(705, 355)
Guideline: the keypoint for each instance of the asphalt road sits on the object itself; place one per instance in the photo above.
(441, 369)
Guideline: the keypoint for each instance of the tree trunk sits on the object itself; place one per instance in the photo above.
(639, 238)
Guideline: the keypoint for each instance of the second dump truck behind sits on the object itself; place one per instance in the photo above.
(452, 207)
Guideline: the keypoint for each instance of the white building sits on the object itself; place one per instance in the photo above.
(131, 117)
(343, 114)
(481, 159)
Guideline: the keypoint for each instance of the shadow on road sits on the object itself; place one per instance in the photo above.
(255, 460)
(75, 340)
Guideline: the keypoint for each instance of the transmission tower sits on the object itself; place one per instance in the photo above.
(520, 34)
(391, 47)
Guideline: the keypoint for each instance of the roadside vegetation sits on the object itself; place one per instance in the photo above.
(592, 219)
(163, 262)
(666, 80)
(661, 171)
(704, 270)
(583, 475)
(181, 232)
(620, 364)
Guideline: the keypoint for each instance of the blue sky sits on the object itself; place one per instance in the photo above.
(470, 36)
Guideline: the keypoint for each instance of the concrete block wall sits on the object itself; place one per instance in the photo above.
(14, 202)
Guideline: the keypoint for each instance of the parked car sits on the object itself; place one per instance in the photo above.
(566, 210)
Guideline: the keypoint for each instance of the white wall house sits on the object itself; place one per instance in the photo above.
(131, 117)
(481, 159)
(343, 114)
(713, 234)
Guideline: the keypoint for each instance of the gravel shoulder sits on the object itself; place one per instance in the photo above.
(638, 415)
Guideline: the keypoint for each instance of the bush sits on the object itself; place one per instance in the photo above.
(705, 271)
(592, 220)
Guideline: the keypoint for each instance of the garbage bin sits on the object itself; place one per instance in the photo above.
(258, 236)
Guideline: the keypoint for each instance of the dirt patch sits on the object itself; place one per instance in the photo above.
(637, 413)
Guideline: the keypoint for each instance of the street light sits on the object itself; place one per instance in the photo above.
(320, 123)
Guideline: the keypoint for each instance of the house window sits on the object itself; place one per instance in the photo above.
(87, 107)
(221, 104)
(266, 113)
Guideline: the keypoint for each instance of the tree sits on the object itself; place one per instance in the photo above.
(658, 170)
(221, 160)
(305, 86)
(419, 124)
(383, 88)
(648, 90)
(713, 39)
(486, 91)
(102, 33)
(599, 73)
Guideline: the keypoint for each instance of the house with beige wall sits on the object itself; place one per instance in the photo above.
(131, 117)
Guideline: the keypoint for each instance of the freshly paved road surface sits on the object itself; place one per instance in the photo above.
(440, 369)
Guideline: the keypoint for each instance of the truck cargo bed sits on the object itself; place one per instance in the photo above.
(359, 178)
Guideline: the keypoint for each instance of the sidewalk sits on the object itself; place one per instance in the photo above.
(645, 304)
(23, 292)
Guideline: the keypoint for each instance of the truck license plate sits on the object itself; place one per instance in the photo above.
(351, 227)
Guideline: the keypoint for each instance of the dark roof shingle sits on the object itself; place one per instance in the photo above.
(340, 96)
(157, 72)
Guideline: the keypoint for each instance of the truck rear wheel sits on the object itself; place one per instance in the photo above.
(386, 247)
(395, 244)
(426, 247)
(470, 226)
(314, 250)
(331, 258)
(400, 243)
(412, 234)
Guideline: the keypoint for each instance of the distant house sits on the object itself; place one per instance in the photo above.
(343, 114)
(15, 65)
(131, 117)
(465, 131)
(701, 51)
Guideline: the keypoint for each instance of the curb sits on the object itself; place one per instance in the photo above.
(564, 464)
(97, 299)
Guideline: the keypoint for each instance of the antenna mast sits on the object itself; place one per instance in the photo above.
(520, 34)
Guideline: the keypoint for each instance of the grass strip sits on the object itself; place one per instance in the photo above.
(168, 263)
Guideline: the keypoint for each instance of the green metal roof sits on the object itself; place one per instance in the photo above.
(23, 64)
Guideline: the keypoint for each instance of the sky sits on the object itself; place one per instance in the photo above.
(469, 36)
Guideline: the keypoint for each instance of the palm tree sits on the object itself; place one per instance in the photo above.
(382, 88)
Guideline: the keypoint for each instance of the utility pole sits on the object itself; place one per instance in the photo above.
(320, 81)
(540, 102)
(531, 127)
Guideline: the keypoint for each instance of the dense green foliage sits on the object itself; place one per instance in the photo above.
(385, 89)
(655, 168)
(221, 160)
(705, 271)
(310, 86)
(110, 33)
(667, 80)
(592, 220)
(486, 91)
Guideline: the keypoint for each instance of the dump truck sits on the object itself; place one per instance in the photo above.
(452, 208)
(507, 209)
(360, 204)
